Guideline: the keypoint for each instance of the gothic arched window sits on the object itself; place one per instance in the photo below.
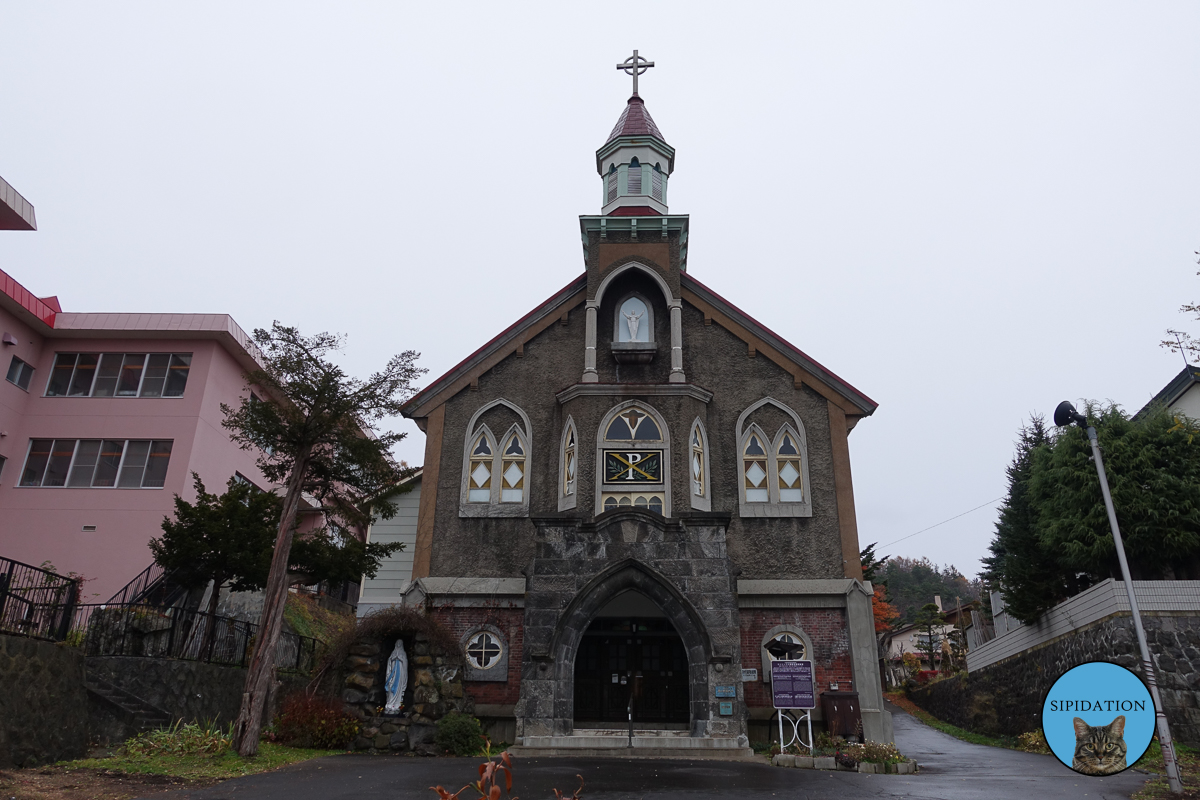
(774, 470)
(568, 467)
(495, 481)
(698, 468)
(633, 453)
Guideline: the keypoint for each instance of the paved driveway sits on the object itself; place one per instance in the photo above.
(951, 770)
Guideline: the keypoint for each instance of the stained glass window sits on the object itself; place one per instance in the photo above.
(484, 650)
(479, 476)
(754, 470)
(512, 472)
(791, 488)
(569, 462)
(697, 464)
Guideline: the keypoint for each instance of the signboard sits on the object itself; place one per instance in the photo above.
(749, 675)
(726, 708)
(792, 684)
(726, 691)
(638, 466)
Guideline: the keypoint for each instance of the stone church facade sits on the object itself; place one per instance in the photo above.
(635, 487)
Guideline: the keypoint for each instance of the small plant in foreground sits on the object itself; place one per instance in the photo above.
(460, 734)
(874, 752)
(181, 739)
(1033, 742)
(489, 784)
(315, 722)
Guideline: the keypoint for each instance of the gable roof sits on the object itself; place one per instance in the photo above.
(1173, 390)
(758, 337)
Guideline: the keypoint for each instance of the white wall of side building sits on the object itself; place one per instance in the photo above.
(395, 573)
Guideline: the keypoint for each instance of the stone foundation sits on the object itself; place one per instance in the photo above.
(43, 704)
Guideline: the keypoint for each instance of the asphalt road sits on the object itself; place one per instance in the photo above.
(950, 770)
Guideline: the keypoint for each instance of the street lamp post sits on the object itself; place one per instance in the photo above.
(1065, 415)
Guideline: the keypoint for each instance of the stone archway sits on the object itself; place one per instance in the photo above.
(578, 615)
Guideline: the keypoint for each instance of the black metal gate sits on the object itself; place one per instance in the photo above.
(620, 659)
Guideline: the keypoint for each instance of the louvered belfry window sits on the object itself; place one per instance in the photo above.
(656, 179)
(612, 183)
(635, 177)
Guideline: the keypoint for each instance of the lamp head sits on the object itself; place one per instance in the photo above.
(1065, 414)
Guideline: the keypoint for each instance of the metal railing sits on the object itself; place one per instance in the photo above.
(36, 602)
(155, 632)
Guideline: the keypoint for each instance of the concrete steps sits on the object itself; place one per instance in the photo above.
(614, 743)
(128, 707)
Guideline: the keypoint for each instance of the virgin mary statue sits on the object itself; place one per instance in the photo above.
(397, 679)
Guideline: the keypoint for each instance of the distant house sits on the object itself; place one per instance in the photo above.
(1180, 394)
(395, 573)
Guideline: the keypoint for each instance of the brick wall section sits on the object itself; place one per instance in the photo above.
(511, 621)
(826, 627)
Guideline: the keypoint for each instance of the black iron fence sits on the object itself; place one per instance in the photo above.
(36, 602)
(156, 632)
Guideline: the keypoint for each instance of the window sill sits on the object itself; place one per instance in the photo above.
(774, 509)
(499, 510)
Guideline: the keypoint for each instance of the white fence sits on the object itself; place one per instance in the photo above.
(1105, 599)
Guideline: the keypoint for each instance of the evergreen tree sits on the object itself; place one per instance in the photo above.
(313, 436)
(912, 582)
(929, 620)
(1031, 576)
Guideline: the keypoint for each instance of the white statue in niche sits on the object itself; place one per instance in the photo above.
(633, 310)
(397, 679)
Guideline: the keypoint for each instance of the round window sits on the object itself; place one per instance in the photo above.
(484, 650)
(792, 648)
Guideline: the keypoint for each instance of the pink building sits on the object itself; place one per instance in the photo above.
(103, 418)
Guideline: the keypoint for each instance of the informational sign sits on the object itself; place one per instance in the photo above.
(726, 691)
(726, 708)
(749, 675)
(792, 684)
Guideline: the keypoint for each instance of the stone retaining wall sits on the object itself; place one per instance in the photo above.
(191, 691)
(1005, 698)
(43, 705)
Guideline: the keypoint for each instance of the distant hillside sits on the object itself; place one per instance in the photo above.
(913, 582)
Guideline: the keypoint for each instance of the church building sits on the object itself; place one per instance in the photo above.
(633, 490)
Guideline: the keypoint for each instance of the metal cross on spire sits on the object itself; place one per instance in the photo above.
(635, 65)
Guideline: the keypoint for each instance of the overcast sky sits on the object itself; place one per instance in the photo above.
(970, 212)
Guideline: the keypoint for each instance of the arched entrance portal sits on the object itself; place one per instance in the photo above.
(631, 657)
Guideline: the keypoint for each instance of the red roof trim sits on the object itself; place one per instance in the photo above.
(26, 299)
(634, 211)
(779, 341)
(554, 300)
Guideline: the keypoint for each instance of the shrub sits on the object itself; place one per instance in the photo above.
(460, 734)
(1033, 742)
(315, 722)
(181, 739)
(874, 752)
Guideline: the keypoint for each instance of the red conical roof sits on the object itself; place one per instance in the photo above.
(635, 121)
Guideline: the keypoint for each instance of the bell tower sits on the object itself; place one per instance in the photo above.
(636, 161)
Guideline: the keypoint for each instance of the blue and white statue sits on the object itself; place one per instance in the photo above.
(397, 679)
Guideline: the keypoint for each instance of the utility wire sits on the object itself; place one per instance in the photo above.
(943, 522)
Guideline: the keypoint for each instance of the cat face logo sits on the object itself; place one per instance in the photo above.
(1099, 749)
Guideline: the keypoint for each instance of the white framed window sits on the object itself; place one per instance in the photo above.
(789, 634)
(633, 460)
(97, 463)
(495, 478)
(698, 467)
(773, 471)
(656, 183)
(568, 467)
(612, 183)
(119, 375)
(19, 373)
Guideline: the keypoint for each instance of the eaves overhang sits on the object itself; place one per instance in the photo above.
(860, 404)
(16, 213)
(1173, 390)
(503, 344)
(644, 228)
(653, 142)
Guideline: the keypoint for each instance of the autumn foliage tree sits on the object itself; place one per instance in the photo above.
(885, 613)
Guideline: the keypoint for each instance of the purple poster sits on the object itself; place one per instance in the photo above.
(792, 684)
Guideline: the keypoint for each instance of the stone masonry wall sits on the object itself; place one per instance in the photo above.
(43, 703)
(191, 691)
(435, 689)
(681, 566)
(1006, 697)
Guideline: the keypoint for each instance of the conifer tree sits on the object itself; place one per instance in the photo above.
(312, 432)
